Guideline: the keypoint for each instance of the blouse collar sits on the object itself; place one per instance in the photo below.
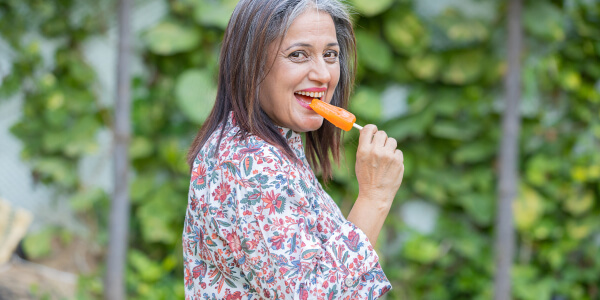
(293, 139)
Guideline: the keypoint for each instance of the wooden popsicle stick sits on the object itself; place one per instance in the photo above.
(357, 126)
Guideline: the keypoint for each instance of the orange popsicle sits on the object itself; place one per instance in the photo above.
(336, 115)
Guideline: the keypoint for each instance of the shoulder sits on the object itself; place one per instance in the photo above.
(255, 156)
(242, 155)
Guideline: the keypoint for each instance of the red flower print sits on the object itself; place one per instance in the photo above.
(353, 241)
(236, 156)
(273, 202)
(199, 174)
(194, 203)
(277, 241)
(303, 292)
(200, 269)
(221, 192)
(234, 242)
(189, 280)
(235, 296)
(384, 290)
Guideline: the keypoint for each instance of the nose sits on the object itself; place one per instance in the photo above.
(319, 71)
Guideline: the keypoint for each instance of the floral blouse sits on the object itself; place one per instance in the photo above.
(259, 226)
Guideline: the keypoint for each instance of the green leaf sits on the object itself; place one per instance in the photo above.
(405, 32)
(528, 285)
(195, 92)
(425, 67)
(453, 130)
(85, 200)
(156, 214)
(9, 85)
(58, 169)
(579, 203)
(373, 51)
(480, 207)
(82, 137)
(410, 126)
(39, 244)
(577, 229)
(527, 208)
(570, 80)
(141, 187)
(458, 30)
(422, 250)
(214, 13)
(140, 147)
(173, 153)
(169, 37)
(540, 168)
(544, 20)
(479, 150)
(366, 103)
(463, 67)
(370, 8)
(145, 267)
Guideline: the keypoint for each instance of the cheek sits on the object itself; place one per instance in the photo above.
(335, 73)
(335, 76)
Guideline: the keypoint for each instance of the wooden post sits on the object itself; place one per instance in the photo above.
(114, 288)
(509, 157)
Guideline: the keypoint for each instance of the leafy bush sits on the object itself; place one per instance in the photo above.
(432, 82)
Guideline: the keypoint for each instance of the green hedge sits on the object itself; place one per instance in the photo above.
(449, 66)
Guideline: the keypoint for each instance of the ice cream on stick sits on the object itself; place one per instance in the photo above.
(336, 115)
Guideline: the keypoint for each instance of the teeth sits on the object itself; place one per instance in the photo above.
(311, 94)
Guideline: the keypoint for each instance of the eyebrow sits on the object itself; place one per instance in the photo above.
(308, 45)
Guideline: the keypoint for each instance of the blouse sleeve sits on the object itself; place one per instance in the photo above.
(277, 243)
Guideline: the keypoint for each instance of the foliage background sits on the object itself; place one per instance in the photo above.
(433, 81)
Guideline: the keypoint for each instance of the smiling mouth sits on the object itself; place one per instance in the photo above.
(307, 97)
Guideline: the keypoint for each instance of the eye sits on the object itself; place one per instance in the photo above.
(331, 56)
(298, 56)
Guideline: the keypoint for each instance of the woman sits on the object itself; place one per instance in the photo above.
(258, 223)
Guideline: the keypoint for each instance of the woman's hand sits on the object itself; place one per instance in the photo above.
(379, 171)
(379, 166)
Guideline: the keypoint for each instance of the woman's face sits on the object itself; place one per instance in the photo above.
(307, 62)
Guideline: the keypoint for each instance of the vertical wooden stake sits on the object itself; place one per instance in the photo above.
(114, 288)
(509, 157)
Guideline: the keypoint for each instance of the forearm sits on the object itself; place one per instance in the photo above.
(369, 216)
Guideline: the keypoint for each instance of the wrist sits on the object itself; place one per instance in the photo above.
(380, 202)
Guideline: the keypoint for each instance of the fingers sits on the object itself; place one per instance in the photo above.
(380, 138)
(370, 138)
(366, 135)
(391, 144)
(399, 157)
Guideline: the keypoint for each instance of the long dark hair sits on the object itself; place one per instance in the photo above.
(253, 26)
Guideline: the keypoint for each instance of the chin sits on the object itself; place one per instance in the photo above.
(310, 125)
